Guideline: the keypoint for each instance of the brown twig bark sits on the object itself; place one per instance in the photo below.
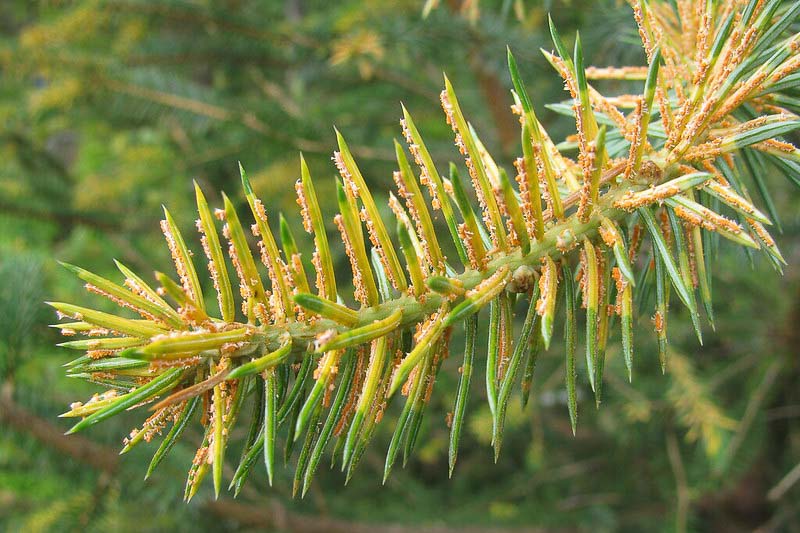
(278, 517)
(79, 448)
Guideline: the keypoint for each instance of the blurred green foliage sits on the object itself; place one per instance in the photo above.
(110, 108)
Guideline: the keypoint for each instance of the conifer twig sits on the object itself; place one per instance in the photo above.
(667, 173)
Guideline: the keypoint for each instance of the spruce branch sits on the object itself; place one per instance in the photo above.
(716, 101)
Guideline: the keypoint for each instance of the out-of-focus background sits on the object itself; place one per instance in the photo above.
(110, 108)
